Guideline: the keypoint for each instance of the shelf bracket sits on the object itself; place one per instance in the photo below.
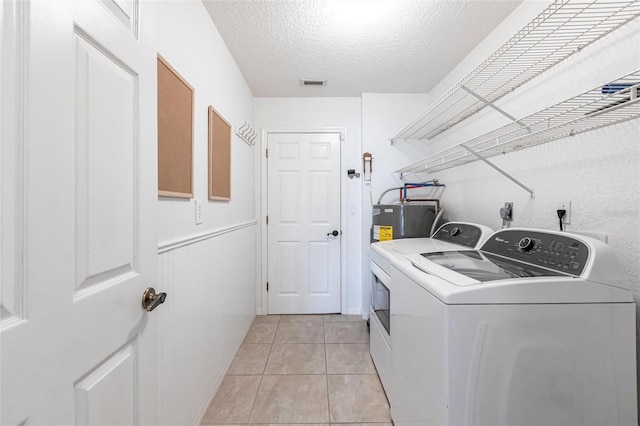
(492, 105)
(499, 170)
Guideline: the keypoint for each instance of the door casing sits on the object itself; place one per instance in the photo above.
(262, 299)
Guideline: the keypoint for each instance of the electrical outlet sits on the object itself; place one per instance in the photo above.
(565, 205)
(506, 212)
(509, 207)
(198, 212)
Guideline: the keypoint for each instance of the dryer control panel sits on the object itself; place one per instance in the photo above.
(459, 233)
(554, 251)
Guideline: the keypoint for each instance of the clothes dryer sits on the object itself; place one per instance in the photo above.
(450, 236)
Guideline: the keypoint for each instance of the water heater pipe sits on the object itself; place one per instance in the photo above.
(388, 190)
(435, 222)
(409, 186)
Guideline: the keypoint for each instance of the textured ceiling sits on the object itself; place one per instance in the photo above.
(380, 46)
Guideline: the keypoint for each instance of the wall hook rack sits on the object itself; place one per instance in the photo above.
(247, 134)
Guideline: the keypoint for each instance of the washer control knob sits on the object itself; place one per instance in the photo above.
(526, 244)
(456, 231)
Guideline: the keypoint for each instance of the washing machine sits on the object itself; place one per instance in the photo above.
(535, 328)
(450, 236)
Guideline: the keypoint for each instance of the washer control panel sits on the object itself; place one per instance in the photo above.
(459, 233)
(549, 250)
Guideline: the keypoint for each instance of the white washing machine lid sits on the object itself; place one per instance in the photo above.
(453, 288)
(407, 246)
(480, 267)
(450, 236)
(522, 265)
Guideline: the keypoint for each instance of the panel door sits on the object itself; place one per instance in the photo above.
(303, 210)
(76, 345)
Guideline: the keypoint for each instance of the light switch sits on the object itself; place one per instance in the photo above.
(198, 212)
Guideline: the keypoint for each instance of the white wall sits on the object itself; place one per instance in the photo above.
(207, 270)
(383, 116)
(301, 113)
(598, 171)
(188, 39)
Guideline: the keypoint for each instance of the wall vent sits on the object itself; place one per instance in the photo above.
(308, 82)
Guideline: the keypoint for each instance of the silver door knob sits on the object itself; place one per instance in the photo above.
(151, 299)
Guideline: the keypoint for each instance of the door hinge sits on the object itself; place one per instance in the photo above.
(266, 153)
(267, 219)
(267, 285)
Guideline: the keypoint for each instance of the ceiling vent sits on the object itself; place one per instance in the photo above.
(306, 82)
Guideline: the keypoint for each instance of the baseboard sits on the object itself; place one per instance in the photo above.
(354, 311)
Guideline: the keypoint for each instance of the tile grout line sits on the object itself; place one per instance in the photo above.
(326, 369)
(325, 350)
(253, 406)
(305, 374)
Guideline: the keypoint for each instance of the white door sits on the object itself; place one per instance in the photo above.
(303, 211)
(79, 207)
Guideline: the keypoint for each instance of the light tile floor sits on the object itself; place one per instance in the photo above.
(302, 369)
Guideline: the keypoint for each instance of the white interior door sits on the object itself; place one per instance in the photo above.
(76, 345)
(303, 211)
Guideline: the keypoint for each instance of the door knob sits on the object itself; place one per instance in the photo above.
(334, 233)
(151, 299)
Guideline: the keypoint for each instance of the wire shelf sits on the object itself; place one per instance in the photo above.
(602, 106)
(564, 28)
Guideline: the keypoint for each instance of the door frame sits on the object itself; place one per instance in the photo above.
(262, 301)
